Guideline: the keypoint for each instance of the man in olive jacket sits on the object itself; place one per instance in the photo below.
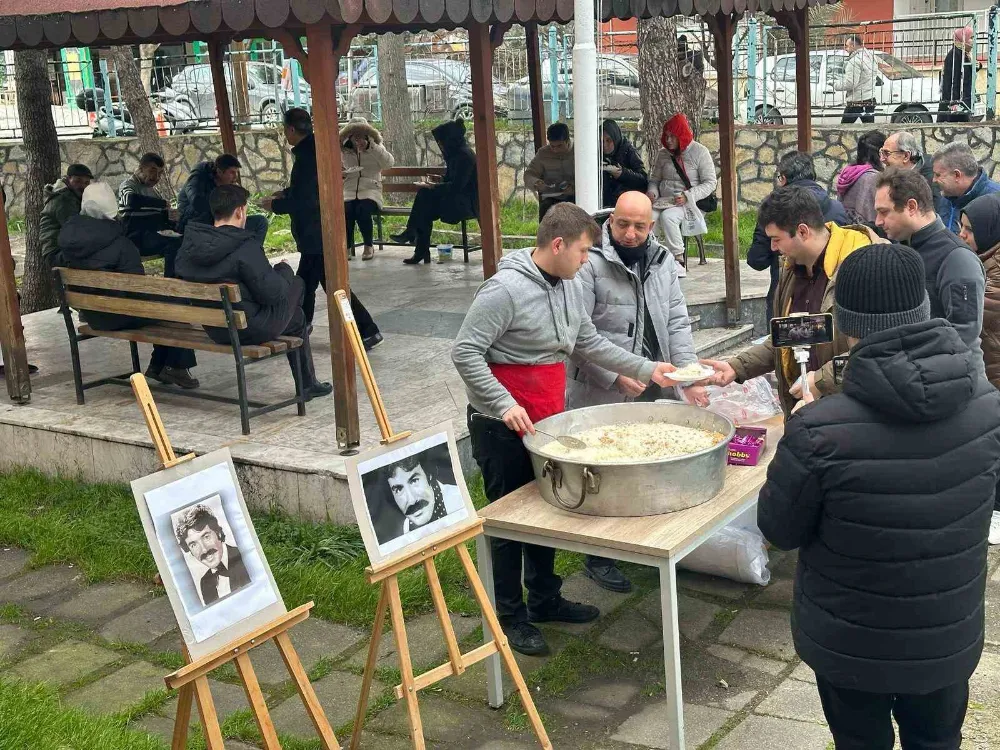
(62, 200)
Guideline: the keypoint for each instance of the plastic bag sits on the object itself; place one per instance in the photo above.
(746, 403)
(694, 223)
(737, 551)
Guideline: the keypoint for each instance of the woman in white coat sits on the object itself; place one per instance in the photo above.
(364, 157)
(683, 173)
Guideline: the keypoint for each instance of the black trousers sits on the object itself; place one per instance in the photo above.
(863, 721)
(946, 115)
(426, 209)
(312, 273)
(360, 212)
(865, 111)
(544, 204)
(506, 466)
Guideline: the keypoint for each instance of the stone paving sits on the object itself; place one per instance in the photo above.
(107, 647)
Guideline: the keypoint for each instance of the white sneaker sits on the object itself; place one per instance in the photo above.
(995, 528)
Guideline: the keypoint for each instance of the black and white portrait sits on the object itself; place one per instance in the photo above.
(213, 557)
(411, 491)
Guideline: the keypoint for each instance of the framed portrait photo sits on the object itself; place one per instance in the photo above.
(408, 493)
(207, 552)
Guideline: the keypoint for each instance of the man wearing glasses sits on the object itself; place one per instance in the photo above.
(903, 151)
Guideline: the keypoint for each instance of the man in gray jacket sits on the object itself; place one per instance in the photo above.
(858, 82)
(632, 292)
(511, 351)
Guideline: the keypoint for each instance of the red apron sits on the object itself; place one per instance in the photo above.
(539, 389)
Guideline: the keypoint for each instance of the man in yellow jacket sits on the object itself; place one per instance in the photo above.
(812, 252)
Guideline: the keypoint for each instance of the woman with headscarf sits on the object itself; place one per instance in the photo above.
(957, 79)
(623, 167)
(856, 182)
(683, 173)
(981, 231)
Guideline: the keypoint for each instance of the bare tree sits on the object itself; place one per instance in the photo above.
(669, 82)
(41, 150)
(136, 99)
(397, 119)
(146, 63)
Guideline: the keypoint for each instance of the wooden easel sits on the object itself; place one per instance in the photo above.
(192, 680)
(390, 600)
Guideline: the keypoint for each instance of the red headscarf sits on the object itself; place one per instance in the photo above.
(678, 126)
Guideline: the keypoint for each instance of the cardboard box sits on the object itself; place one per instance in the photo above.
(747, 446)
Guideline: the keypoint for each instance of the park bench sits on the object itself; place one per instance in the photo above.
(177, 311)
(404, 180)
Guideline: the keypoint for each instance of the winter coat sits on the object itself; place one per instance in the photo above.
(984, 216)
(957, 78)
(61, 202)
(89, 244)
(696, 160)
(856, 190)
(141, 209)
(301, 199)
(760, 255)
(950, 208)
(548, 170)
(633, 176)
(212, 255)
(764, 358)
(612, 299)
(458, 192)
(192, 201)
(366, 184)
(860, 75)
(887, 490)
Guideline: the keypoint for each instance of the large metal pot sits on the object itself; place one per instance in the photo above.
(630, 488)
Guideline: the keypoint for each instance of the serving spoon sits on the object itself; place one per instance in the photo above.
(574, 444)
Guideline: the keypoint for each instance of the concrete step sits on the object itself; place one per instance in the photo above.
(710, 342)
(695, 322)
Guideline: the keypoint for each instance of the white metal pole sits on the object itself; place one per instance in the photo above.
(585, 106)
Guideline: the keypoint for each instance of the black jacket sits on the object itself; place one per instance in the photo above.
(956, 78)
(89, 244)
(301, 200)
(211, 255)
(238, 577)
(634, 175)
(760, 256)
(192, 201)
(458, 192)
(887, 490)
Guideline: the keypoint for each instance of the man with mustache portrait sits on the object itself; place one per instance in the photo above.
(417, 494)
(200, 535)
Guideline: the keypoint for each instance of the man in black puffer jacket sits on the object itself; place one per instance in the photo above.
(271, 297)
(798, 169)
(887, 490)
(192, 200)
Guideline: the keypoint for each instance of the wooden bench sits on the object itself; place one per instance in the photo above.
(178, 311)
(404, 180)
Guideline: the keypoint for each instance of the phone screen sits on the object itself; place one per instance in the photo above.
(802, 330)
(839, 365)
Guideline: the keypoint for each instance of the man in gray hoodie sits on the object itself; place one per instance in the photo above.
(523, 325)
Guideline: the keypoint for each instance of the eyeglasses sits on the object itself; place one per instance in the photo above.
(885, 153)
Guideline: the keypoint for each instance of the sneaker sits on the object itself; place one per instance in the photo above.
(372, 341)
(318, 390)
(995, 528)
(526, 639)
(179, 377)
(561, 610)
(369, 253)
(607, 576)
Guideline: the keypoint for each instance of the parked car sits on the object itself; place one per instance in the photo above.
(902, 93)
(617, 87)
(178, 112)
(438, 88)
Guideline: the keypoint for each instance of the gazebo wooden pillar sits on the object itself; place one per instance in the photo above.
(216, 61)
(797, 24)
(536, 92)
(15, 357)
(484, 118)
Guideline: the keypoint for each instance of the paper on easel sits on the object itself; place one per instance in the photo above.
(345, 309)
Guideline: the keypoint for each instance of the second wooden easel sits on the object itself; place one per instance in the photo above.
(387, 576)
(192, 680)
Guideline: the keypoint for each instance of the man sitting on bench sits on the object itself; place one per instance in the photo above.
(272, 297)
(192, 201)
(94, 241)
(144, 214)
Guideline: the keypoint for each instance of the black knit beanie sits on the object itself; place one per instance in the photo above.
(880, 287)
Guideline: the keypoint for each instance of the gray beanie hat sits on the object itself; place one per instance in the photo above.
(880, 287)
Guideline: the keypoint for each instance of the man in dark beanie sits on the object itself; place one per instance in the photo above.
(887, 490)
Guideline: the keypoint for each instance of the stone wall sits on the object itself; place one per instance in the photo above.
(267, 160)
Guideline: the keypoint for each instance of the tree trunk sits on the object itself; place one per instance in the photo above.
(41, 150)
(397, 120)
(238, 57)
(146, 53)
(664, 88)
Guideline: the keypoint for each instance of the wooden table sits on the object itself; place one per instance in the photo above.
(657, 541)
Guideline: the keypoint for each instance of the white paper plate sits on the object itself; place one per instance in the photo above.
(707, 372)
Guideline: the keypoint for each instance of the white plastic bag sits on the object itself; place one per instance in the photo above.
(694, 224)
(746, 403)
(737, 551)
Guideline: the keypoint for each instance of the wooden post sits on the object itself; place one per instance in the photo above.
(537, 94)
(216, 60)
(803, 78)
(481, 58)
(323, 72)
(241, 83)
(722, 27)
(15, 356)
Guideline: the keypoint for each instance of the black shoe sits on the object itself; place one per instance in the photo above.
(526, 639)
(318, 390)
(372, 341)
(417, 257)
(180, 377)
(401, 238)
(152, 374)
(607, 576)
(561, 610)
(32, 370)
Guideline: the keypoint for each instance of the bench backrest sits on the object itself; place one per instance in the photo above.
(154, 297)
(404, 179)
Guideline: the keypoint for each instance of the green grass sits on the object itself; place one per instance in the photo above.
(34, 718)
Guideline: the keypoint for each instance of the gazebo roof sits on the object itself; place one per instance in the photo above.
(67, 23)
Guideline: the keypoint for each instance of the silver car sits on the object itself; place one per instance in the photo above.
(618, 88)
